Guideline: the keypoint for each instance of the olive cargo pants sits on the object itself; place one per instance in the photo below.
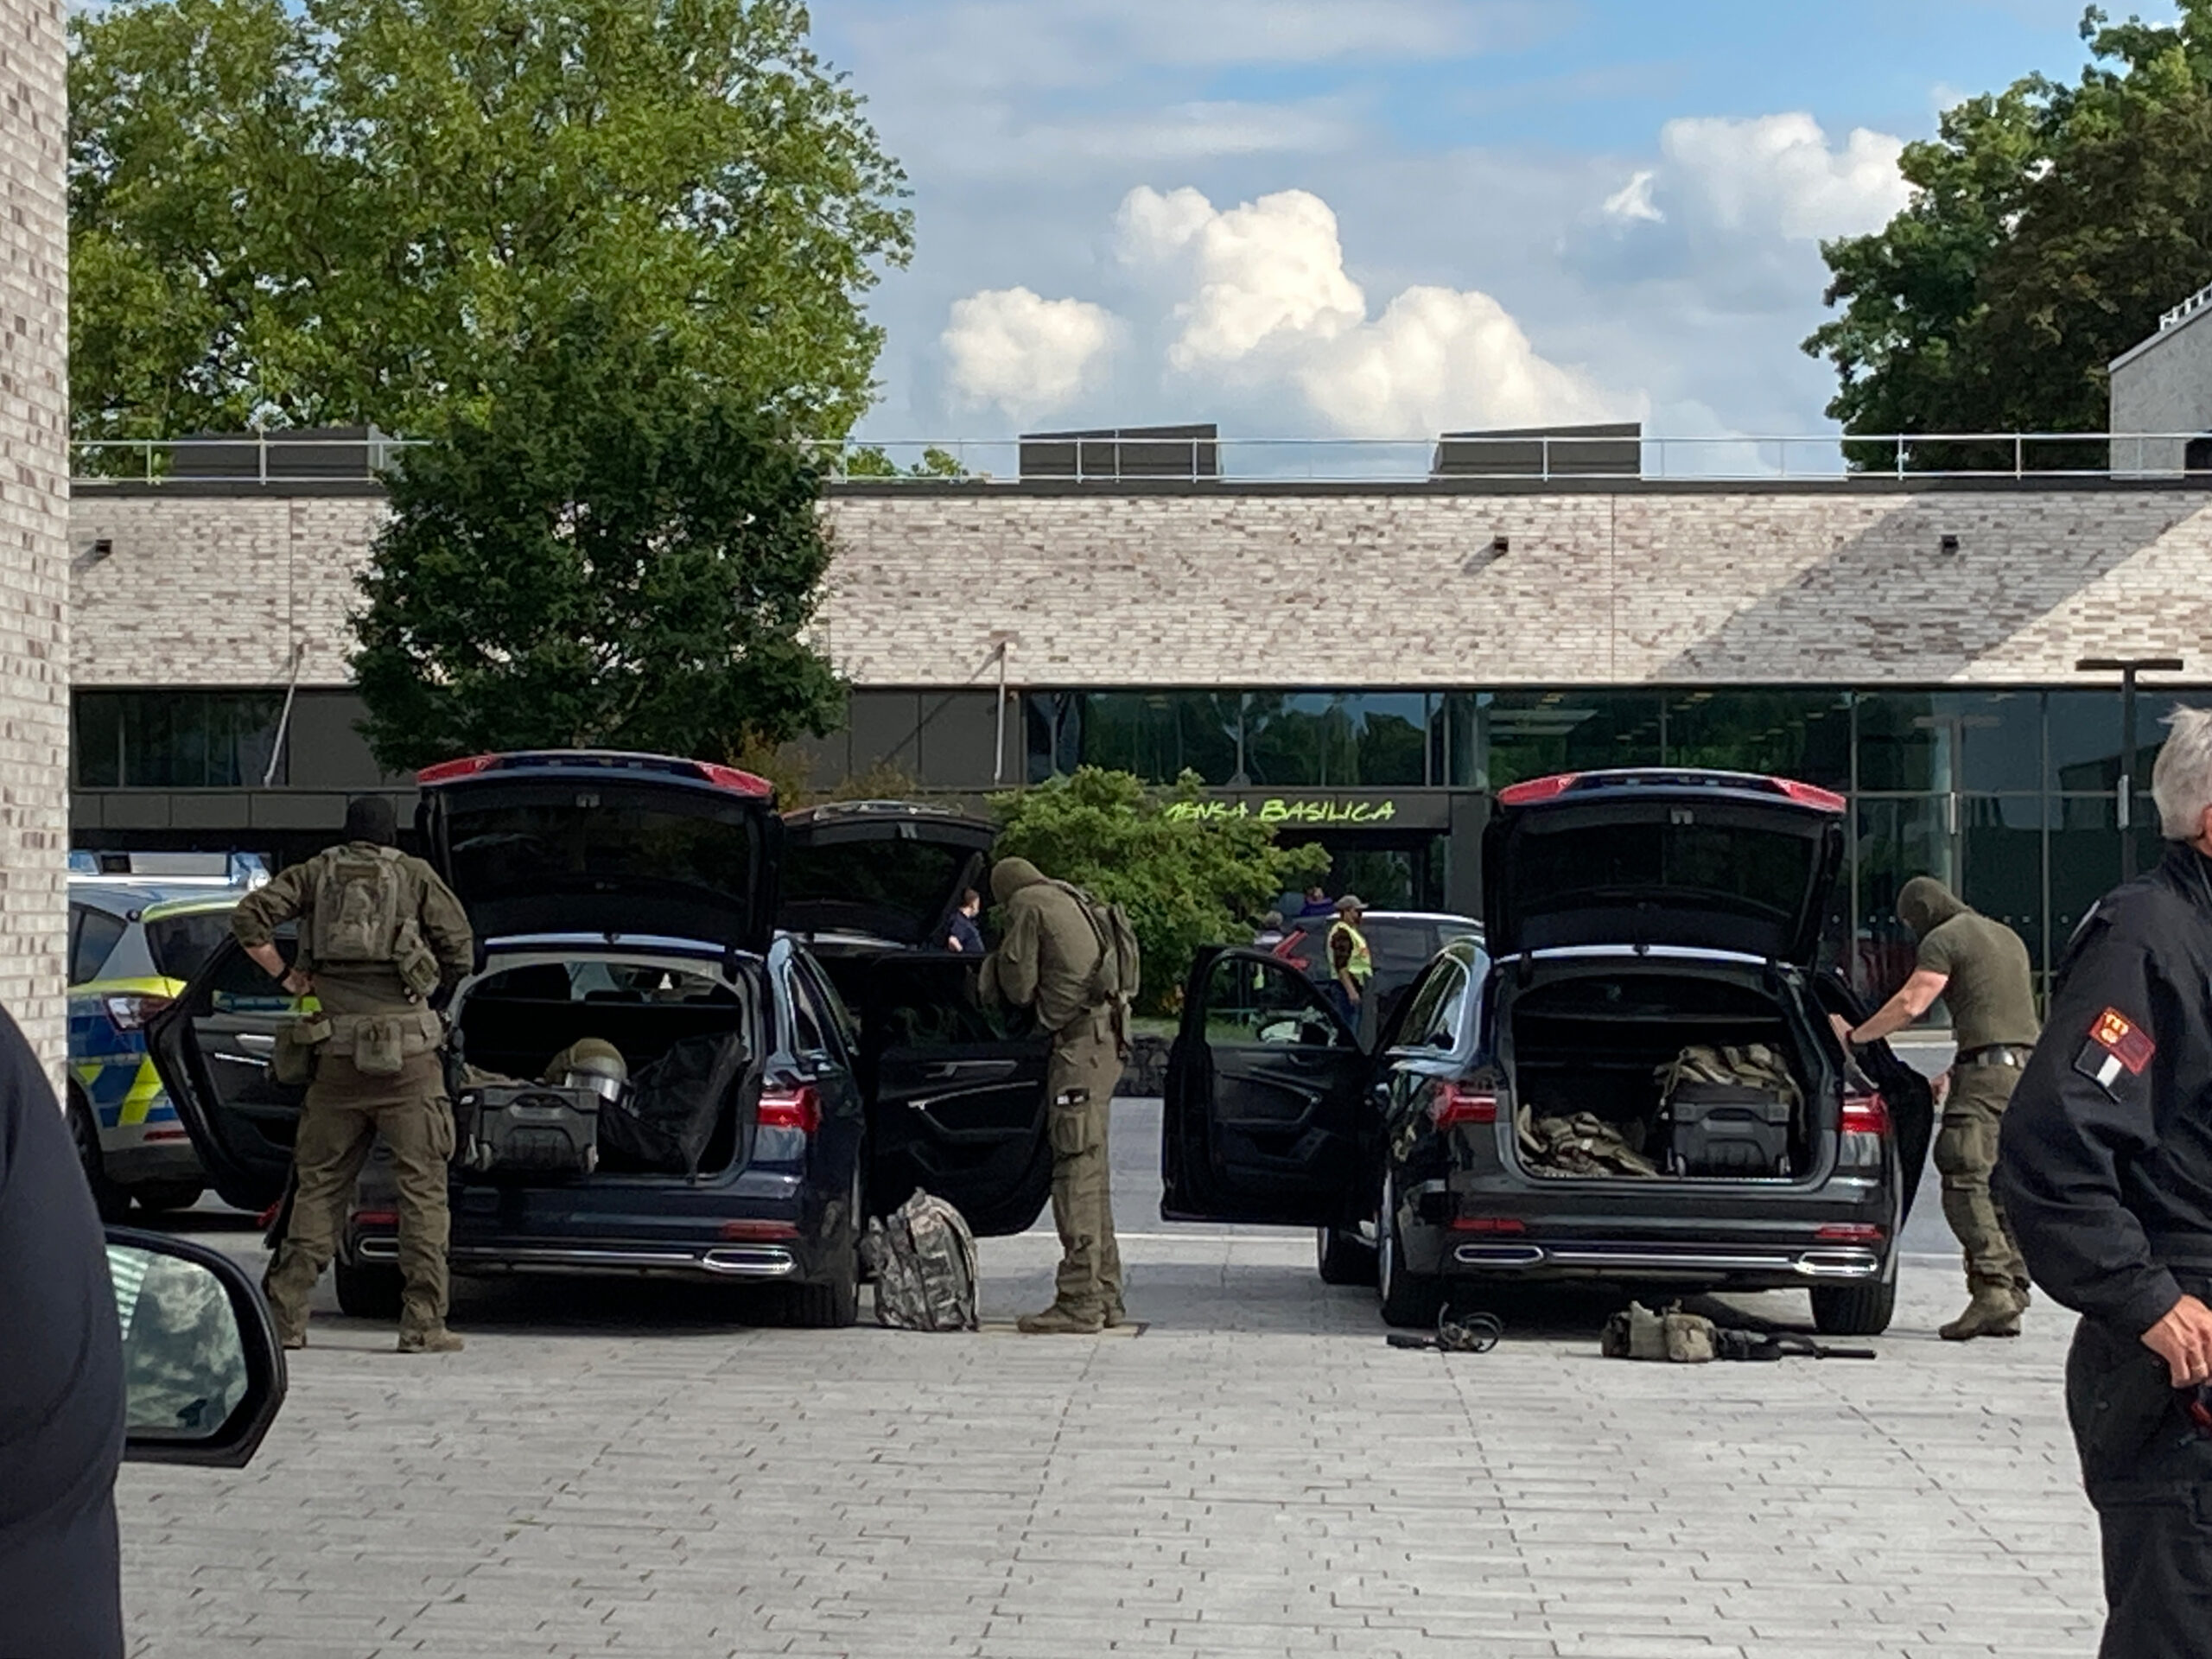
(1966, 1153)
(344, 1117)
(2148, 1470)
(1085, 1065)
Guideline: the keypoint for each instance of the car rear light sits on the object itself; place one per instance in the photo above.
(740, 782)
(741, 1232)
(131, 1011)
(1537, 789)
(1850, 1232)
(1865, 1115)
(447, 771)
(372, 1218)
(1489, 1224)
(796, 1108)
(1809, 794)
(1452, 1104)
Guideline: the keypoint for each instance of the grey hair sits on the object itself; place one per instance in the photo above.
(2180, 782)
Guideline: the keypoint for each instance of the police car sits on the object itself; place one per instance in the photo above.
(140, 924)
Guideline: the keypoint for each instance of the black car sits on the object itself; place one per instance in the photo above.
(645, 900)
(1401, 943)
(1631, 914)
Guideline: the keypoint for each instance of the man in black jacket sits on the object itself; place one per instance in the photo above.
(2106, 1173)
(61, 1386)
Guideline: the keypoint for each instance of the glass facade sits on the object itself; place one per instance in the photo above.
(2007, 794)
(175, 740)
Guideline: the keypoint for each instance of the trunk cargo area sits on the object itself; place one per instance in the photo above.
(1591, 1041)
(682, 1034)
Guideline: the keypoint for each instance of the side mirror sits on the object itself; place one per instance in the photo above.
(200, 1359)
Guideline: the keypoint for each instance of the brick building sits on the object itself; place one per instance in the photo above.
(34, 492)
(1360, 663)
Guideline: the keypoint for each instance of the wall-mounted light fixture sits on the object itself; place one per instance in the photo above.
(1500, 546)
(93, 554)
(1947, 543)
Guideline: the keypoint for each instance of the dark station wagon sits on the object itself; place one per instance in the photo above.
(664, 904)
(1629, 915)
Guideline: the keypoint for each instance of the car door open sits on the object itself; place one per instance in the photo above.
(212, 1047)
(957, 1091)
(1264, 1117)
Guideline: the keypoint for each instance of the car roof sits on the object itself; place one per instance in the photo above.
(122, 897)
(1442, 918)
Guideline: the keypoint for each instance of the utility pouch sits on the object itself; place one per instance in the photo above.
(417, 961)
(380, 1045)
(291, 1057)
(1067, 1123)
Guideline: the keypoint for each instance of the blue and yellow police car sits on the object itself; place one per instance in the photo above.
(138, 930)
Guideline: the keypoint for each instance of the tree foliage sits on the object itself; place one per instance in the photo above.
(1185, 881)
(301, 212)
(612, 552)
(2050, 226)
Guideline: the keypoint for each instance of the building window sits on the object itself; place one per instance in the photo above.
(1505, 737)
(1777, 734)
(175, 740)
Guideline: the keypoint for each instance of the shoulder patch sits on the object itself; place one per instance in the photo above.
(2117, 1045)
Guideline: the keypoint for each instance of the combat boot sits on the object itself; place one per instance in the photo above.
(1994, 1311)
(437, 1340)
(1115, 1314)
(1060, 1320)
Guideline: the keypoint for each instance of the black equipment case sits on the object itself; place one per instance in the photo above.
(525, 1129)
(1726, 1130)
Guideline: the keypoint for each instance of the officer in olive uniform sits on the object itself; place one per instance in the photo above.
(1980, 969)
(377, 1071)
(1046, 961)
(2105, 1169)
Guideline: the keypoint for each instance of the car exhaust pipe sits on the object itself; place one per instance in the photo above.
(1499, 1255)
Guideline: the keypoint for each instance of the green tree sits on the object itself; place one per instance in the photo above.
(339, 211)
(2050, 226)
(1185, 880)
(614, 551)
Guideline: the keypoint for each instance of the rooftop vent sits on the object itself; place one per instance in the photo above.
(299, 454)
(1608, 451)
(1111, 452)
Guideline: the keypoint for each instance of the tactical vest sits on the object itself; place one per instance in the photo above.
(361, 913)
(1361, 963)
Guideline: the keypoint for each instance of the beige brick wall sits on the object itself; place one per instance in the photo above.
(1228, 588)
(34, 522)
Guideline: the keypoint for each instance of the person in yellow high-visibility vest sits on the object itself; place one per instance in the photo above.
(1351, 964)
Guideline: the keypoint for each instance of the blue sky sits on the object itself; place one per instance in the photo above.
(1379, 217)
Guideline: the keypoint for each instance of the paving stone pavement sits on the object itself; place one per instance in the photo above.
(625, 1469)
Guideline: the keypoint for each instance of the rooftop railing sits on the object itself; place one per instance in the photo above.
(278, 457)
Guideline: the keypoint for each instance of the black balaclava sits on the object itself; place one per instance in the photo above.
(369, 818)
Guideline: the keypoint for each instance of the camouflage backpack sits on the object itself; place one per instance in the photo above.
(923, 1258)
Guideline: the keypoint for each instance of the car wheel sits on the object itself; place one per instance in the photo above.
(369, 1290)
(156, 1198)
(1343, 1258)
(1408, 1298)
(1854, 1310)
(111, 1200)
(834, 1305)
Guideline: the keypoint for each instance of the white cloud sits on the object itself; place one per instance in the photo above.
(1633, 199)
(1437, 358)
(1024, 352)
(1778, 173)
(1270, 267)
(1260, 291)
